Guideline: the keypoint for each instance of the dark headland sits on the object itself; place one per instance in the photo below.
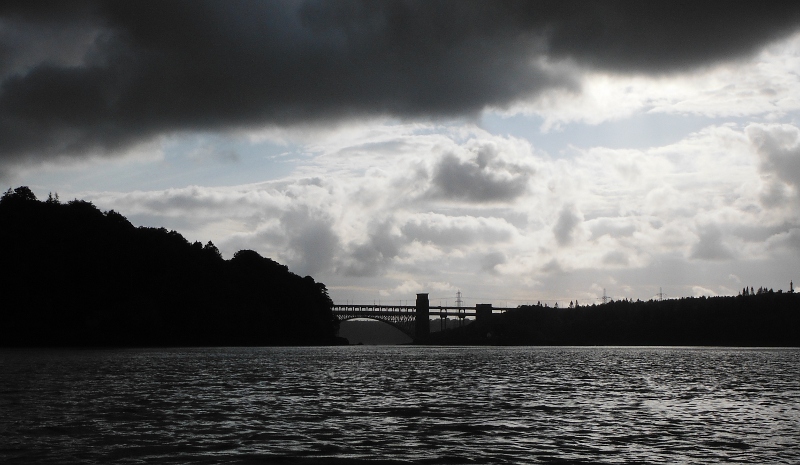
(72, 275)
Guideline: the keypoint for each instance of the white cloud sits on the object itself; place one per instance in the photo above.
(700, 291)
(359, 215)
(449, 231)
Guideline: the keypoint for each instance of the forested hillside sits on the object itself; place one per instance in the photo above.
(764, 319)
(72, 275)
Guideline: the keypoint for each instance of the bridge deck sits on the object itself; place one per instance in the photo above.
(387, 310)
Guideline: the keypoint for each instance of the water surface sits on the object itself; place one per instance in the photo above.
(400, 405)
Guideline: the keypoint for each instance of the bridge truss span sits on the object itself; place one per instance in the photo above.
(401, 317)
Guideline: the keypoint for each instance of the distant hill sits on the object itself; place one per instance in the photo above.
(73, 275)
(763, 319)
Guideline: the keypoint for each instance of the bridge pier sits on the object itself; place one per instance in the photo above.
(483, 312)
(423, 324)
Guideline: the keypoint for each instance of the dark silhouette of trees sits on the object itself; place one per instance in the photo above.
(20, 194)
(74, 275)
(764, 319)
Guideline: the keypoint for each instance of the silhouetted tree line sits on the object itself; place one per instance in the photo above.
(72, 275)
(769, 319)
(761, 290)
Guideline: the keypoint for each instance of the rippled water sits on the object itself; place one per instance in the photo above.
(400, 404)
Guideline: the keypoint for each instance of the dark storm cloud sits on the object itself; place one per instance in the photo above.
(663, 36)
(81, 76)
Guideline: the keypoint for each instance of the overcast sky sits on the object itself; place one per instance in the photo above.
(516, 151)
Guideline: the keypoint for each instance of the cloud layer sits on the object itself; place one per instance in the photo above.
(100, 77)
(679, 216)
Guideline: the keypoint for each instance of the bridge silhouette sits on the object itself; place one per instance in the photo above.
(414, 320)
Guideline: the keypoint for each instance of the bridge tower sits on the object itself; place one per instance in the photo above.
(483, 312)
(423, 324)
